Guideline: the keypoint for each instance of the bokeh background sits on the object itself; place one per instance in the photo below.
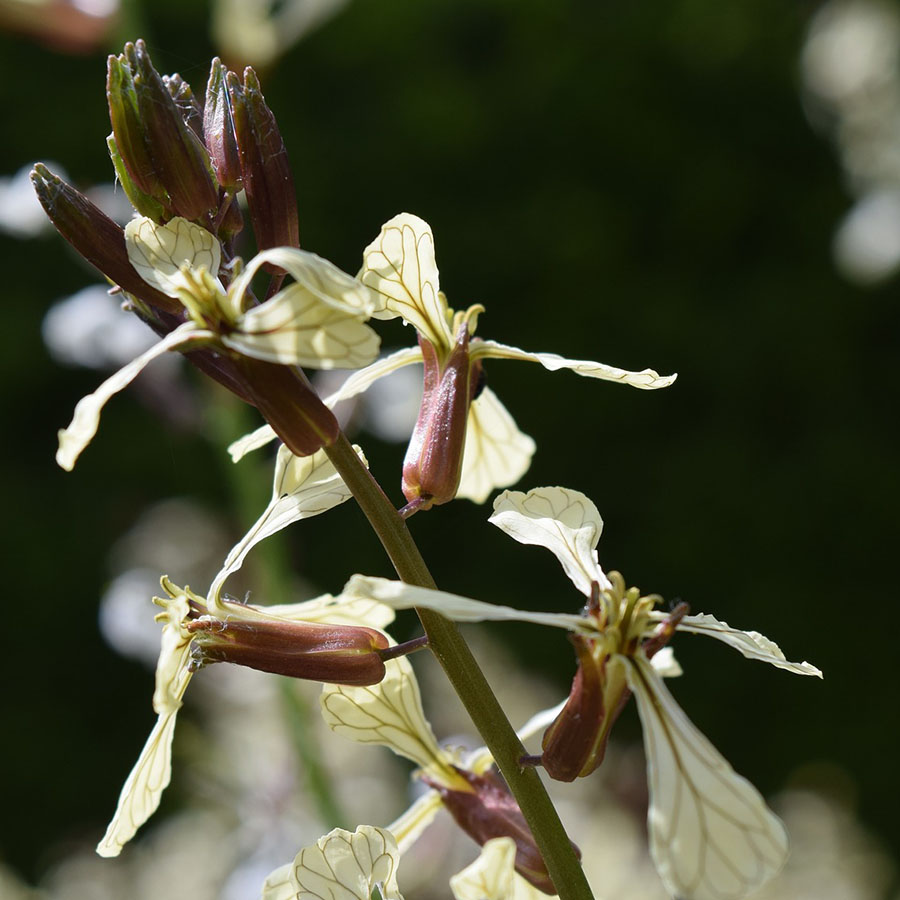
(699, 187)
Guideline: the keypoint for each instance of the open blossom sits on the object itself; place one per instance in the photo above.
(321, 639)
(465, 443)
(711, 835)
(319, 320)
(466, 785)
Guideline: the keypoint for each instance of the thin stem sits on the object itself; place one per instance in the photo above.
(467, 679)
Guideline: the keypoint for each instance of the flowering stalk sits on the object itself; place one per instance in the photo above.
(466, 676)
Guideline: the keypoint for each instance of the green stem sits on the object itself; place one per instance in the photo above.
(467, 679)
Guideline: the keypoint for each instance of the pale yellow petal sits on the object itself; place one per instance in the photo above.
(389, 713)
(263, 435)
(143, 789)
(304, 486)
(86, 419)
(172, 673)
(711, 835)
(157, 252)
(296, 328)
(564, 521)
(751, 644)
(359, 381)
(398, 595)
(400, 265)
(348, 866)
(338, 610)
(490, 877)
(408, 827)
(665, 664)
(496, 453)
(279, 885)
(647, 379)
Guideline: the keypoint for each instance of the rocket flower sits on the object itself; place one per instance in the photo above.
(465, 443)
(325, 639)
(465, 784)
(711, 835)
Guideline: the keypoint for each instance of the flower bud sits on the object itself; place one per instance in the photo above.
(183, 95)
(337, 654)
(95, 236)
(488, 811)
(218, 129)
(433, 462)
(266, 173)
(575, 744)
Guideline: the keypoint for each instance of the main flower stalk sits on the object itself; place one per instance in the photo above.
(466, 676)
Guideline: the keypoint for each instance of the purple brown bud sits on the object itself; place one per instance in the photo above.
(188, 105)
(433, 462)
(218, 129)
(337, 654)
(488, 811)
(266, 173)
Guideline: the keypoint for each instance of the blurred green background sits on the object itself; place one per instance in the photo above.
(635, 183)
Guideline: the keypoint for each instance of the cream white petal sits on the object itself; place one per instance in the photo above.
(646, 379)
(389, 713)
(143, 789)
(157, 252)
(711, 835)
(751, 644)
(296, 328)
(279, 885)
(490, 876)
(359, 381)
(665, 664)
(172, 673)
(564, 521)
(338, 610)
(408, 827)
(317, 276)
(263, 435)
(86, 419)
(303, 487)
(400, 265)
(496, 453)
(345, 865)
(398, 595)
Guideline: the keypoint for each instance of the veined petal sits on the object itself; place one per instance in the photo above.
(304, 486)
(490, 877)
(400, 265)
(296, 328)
(348, 866)
(751, 644)
(711, 835)
(317, 276)
(143, 788)
(564, 521)
(647, 379)
(158, 252)
(359, 381)
(249, 442)
(279, 885)
(408, 827)
(390, 714)
(333, 610)
(398, 595)
(496, 453)
(86, 419)
(172, 672)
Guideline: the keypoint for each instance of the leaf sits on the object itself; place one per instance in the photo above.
(711, 835)
(647, 379)
(564, 521)
(400, 265)
(496, 453)
(751, 644)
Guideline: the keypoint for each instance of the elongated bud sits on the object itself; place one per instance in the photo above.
(433, 462)
(296, 412)
(337, 654)
(575, 744)
(143, 203)
(180, 160)
(488, 811)
(188, 105)
(95, 236)
(218, 129)
(265, 170)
